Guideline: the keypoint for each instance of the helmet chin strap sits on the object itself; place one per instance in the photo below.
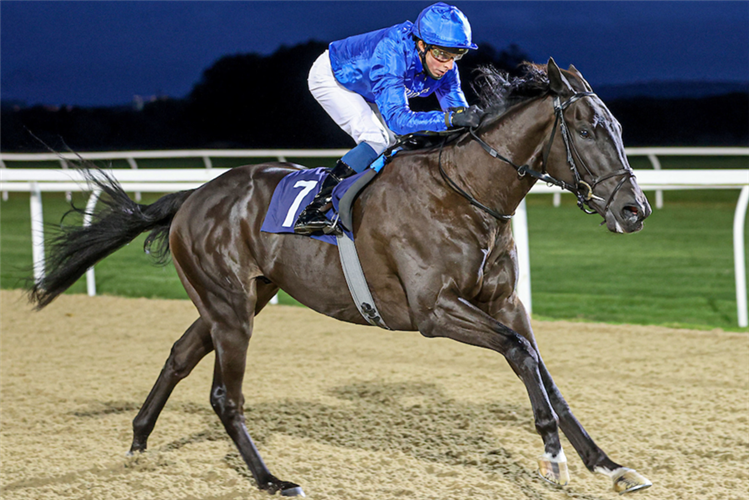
(423, 57)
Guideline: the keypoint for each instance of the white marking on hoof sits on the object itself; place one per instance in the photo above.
(554, 468)
(625, 479)
(293, 492)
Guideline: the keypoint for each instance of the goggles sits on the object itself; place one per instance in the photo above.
(445, 55)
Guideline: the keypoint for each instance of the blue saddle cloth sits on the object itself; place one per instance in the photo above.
(292, 195)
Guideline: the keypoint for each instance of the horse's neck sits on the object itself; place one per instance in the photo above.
(519, 136)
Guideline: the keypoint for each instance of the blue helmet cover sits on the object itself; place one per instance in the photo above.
(444, 25)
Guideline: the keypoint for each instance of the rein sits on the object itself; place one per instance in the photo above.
(467, 196)
(581, 189)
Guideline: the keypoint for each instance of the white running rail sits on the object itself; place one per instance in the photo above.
(37, 181)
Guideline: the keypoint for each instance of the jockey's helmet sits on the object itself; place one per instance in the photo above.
(444, 26)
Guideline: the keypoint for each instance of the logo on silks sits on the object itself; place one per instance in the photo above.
(412, 93)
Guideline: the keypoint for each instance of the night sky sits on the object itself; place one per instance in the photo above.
(104, 53)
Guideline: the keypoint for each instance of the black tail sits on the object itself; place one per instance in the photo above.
(74, 249)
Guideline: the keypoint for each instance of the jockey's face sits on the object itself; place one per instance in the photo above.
(435, 67)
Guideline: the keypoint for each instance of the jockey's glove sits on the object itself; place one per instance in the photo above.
(463, 117)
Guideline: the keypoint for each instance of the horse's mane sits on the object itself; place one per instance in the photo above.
(497, 90)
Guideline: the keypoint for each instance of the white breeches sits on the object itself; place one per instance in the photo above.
(357, 117)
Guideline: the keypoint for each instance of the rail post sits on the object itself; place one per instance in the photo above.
(87, 216)
(658, 192)
(5, 193)
(37, 232)
(64, 165)
(520, 235)
(739, 256)
(134, 165)
(557, 197)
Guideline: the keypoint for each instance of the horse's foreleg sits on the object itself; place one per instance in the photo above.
(455, 318)
(594, 458)
(513, 313)
(186, 353)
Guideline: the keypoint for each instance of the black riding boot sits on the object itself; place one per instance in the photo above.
(312, 219)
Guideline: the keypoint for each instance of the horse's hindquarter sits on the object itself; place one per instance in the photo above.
(221, 224)
(210, 236)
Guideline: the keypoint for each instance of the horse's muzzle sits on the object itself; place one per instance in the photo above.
(627, 218)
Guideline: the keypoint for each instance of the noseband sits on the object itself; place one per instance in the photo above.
(581, 189)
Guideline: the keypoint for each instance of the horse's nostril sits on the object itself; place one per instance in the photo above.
(631, 212)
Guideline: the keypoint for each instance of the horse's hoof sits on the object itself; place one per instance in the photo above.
(554, 469)
(134, 451)
(286, 488)
(138, 445)
(293, 491)
(628, 480)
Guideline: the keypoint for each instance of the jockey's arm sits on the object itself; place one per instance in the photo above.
(399, 117)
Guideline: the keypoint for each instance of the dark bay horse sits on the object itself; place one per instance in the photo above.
(434, 261)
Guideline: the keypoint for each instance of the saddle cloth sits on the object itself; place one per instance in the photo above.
(295, 191)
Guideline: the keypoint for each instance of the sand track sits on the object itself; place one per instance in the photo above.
(356, 413)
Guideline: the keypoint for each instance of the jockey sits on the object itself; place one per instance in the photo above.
(364, 83)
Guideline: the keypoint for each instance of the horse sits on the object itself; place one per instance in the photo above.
(434, 240)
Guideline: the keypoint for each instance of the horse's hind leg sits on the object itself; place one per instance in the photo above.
(231, 331)
(186, 353)
(594, 458)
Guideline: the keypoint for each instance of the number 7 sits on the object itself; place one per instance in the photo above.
(308, 186)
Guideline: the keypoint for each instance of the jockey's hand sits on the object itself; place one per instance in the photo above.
(464, 117)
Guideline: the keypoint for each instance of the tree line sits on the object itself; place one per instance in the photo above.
(253, 101)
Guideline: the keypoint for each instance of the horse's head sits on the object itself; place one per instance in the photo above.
(589, 154)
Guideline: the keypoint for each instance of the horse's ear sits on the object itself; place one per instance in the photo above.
(572, 69)
(558, 84)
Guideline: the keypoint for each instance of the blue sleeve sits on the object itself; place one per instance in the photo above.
(388, 86)
(450, 94)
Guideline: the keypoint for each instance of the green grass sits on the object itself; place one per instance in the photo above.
(678, 271)
(128, 273)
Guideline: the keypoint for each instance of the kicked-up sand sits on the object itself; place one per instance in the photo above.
(351, 412)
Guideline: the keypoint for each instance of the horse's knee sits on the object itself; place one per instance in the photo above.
(186, 353)
(179, 364)
(428, 331)
(521, 354)
(431, 326)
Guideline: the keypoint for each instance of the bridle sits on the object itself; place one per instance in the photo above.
(581, 189)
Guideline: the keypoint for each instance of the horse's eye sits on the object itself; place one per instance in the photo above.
(584, 134)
